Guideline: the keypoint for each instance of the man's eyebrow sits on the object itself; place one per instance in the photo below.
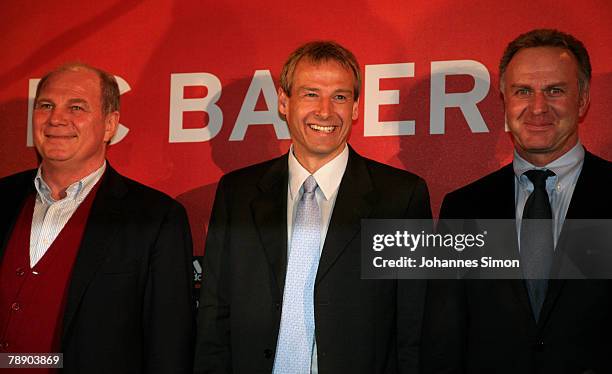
(520, 85)
(344, 90)
(556, 84)
(306, 88)
(339, 90)
(70, 101)
(42, 98)
(77, 101)
(550, 85)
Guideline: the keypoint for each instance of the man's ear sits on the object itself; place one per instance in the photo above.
(355, 114)
(111, 123)
(584, 101)
(283, 102)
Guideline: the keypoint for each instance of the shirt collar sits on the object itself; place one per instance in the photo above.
(328, 177)
(76, 191)
(563, 167)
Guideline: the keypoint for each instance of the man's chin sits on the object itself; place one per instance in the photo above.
(535, 145)
(538, 150)
(56, 158)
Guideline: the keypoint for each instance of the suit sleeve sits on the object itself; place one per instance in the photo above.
(168, 313)
(443, 342)
(213, 353)
(411, 293)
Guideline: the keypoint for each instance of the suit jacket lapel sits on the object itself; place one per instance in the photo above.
(578, 208)
(269, 210)
(102, 224)
(582, 197)
(12, 201)
(506, 187)
(356, 197)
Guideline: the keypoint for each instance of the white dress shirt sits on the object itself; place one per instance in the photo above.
(50, 215)
(328, 178)
(559, 188)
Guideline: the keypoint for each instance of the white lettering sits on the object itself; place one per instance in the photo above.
(374, 98)
(466, 101)
(179, 104)
(262, 82)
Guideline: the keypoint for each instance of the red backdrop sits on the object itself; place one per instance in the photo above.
(151, 45)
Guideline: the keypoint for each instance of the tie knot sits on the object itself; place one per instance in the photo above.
(538, 177)
(310, 184)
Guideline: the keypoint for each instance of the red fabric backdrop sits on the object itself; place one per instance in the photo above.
(149, 43)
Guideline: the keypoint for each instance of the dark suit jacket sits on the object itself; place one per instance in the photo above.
(129, 306)
(361, 326)
(486, 326)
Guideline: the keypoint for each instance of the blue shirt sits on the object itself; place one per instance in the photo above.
(559, 188)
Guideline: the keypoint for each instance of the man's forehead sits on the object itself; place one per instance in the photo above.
(78, 80)
(534, 56)
(307, 70)
(543, 63)
(322, 64)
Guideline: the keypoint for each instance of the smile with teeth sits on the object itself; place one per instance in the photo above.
(327, 129)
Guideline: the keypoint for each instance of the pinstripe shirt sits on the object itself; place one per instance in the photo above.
(560, 187)
(50, 215)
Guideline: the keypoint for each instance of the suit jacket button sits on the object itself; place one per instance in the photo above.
(539, 346)
(268, 353)
(277, 306)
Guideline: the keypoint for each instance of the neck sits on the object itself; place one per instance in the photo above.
(544, 158)
(59, 177)
(312, 163)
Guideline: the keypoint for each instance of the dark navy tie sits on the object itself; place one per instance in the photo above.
(537, 243)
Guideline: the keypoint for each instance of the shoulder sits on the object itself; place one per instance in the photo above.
(135, 195)
(256, 171)
(486, 185)
(386, 177)
(591, 196)
(399, 193)
(249, 179)
(13, 190)
(491, 196)
(22, 178)
(598, 165)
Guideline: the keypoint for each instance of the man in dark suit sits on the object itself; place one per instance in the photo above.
(531, 325)
(281, 289)
(94, 265)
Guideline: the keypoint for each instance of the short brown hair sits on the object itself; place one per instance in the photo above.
(319, 51)
(550, 38)
(109, 89)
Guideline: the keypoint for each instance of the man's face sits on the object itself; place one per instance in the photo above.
(320, 111)
(543, 102)
(70, 128)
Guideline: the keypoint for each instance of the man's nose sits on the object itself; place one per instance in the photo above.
(539, 103)
(325, 107)
(57, 117)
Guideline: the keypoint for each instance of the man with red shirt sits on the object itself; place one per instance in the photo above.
(93, 265)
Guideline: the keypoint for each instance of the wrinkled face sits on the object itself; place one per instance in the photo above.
(543, 102)
(320, 111)
(69, 126)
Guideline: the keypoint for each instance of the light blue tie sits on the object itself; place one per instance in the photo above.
(296, 335)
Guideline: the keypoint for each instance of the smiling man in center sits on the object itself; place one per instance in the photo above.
(282, 289)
